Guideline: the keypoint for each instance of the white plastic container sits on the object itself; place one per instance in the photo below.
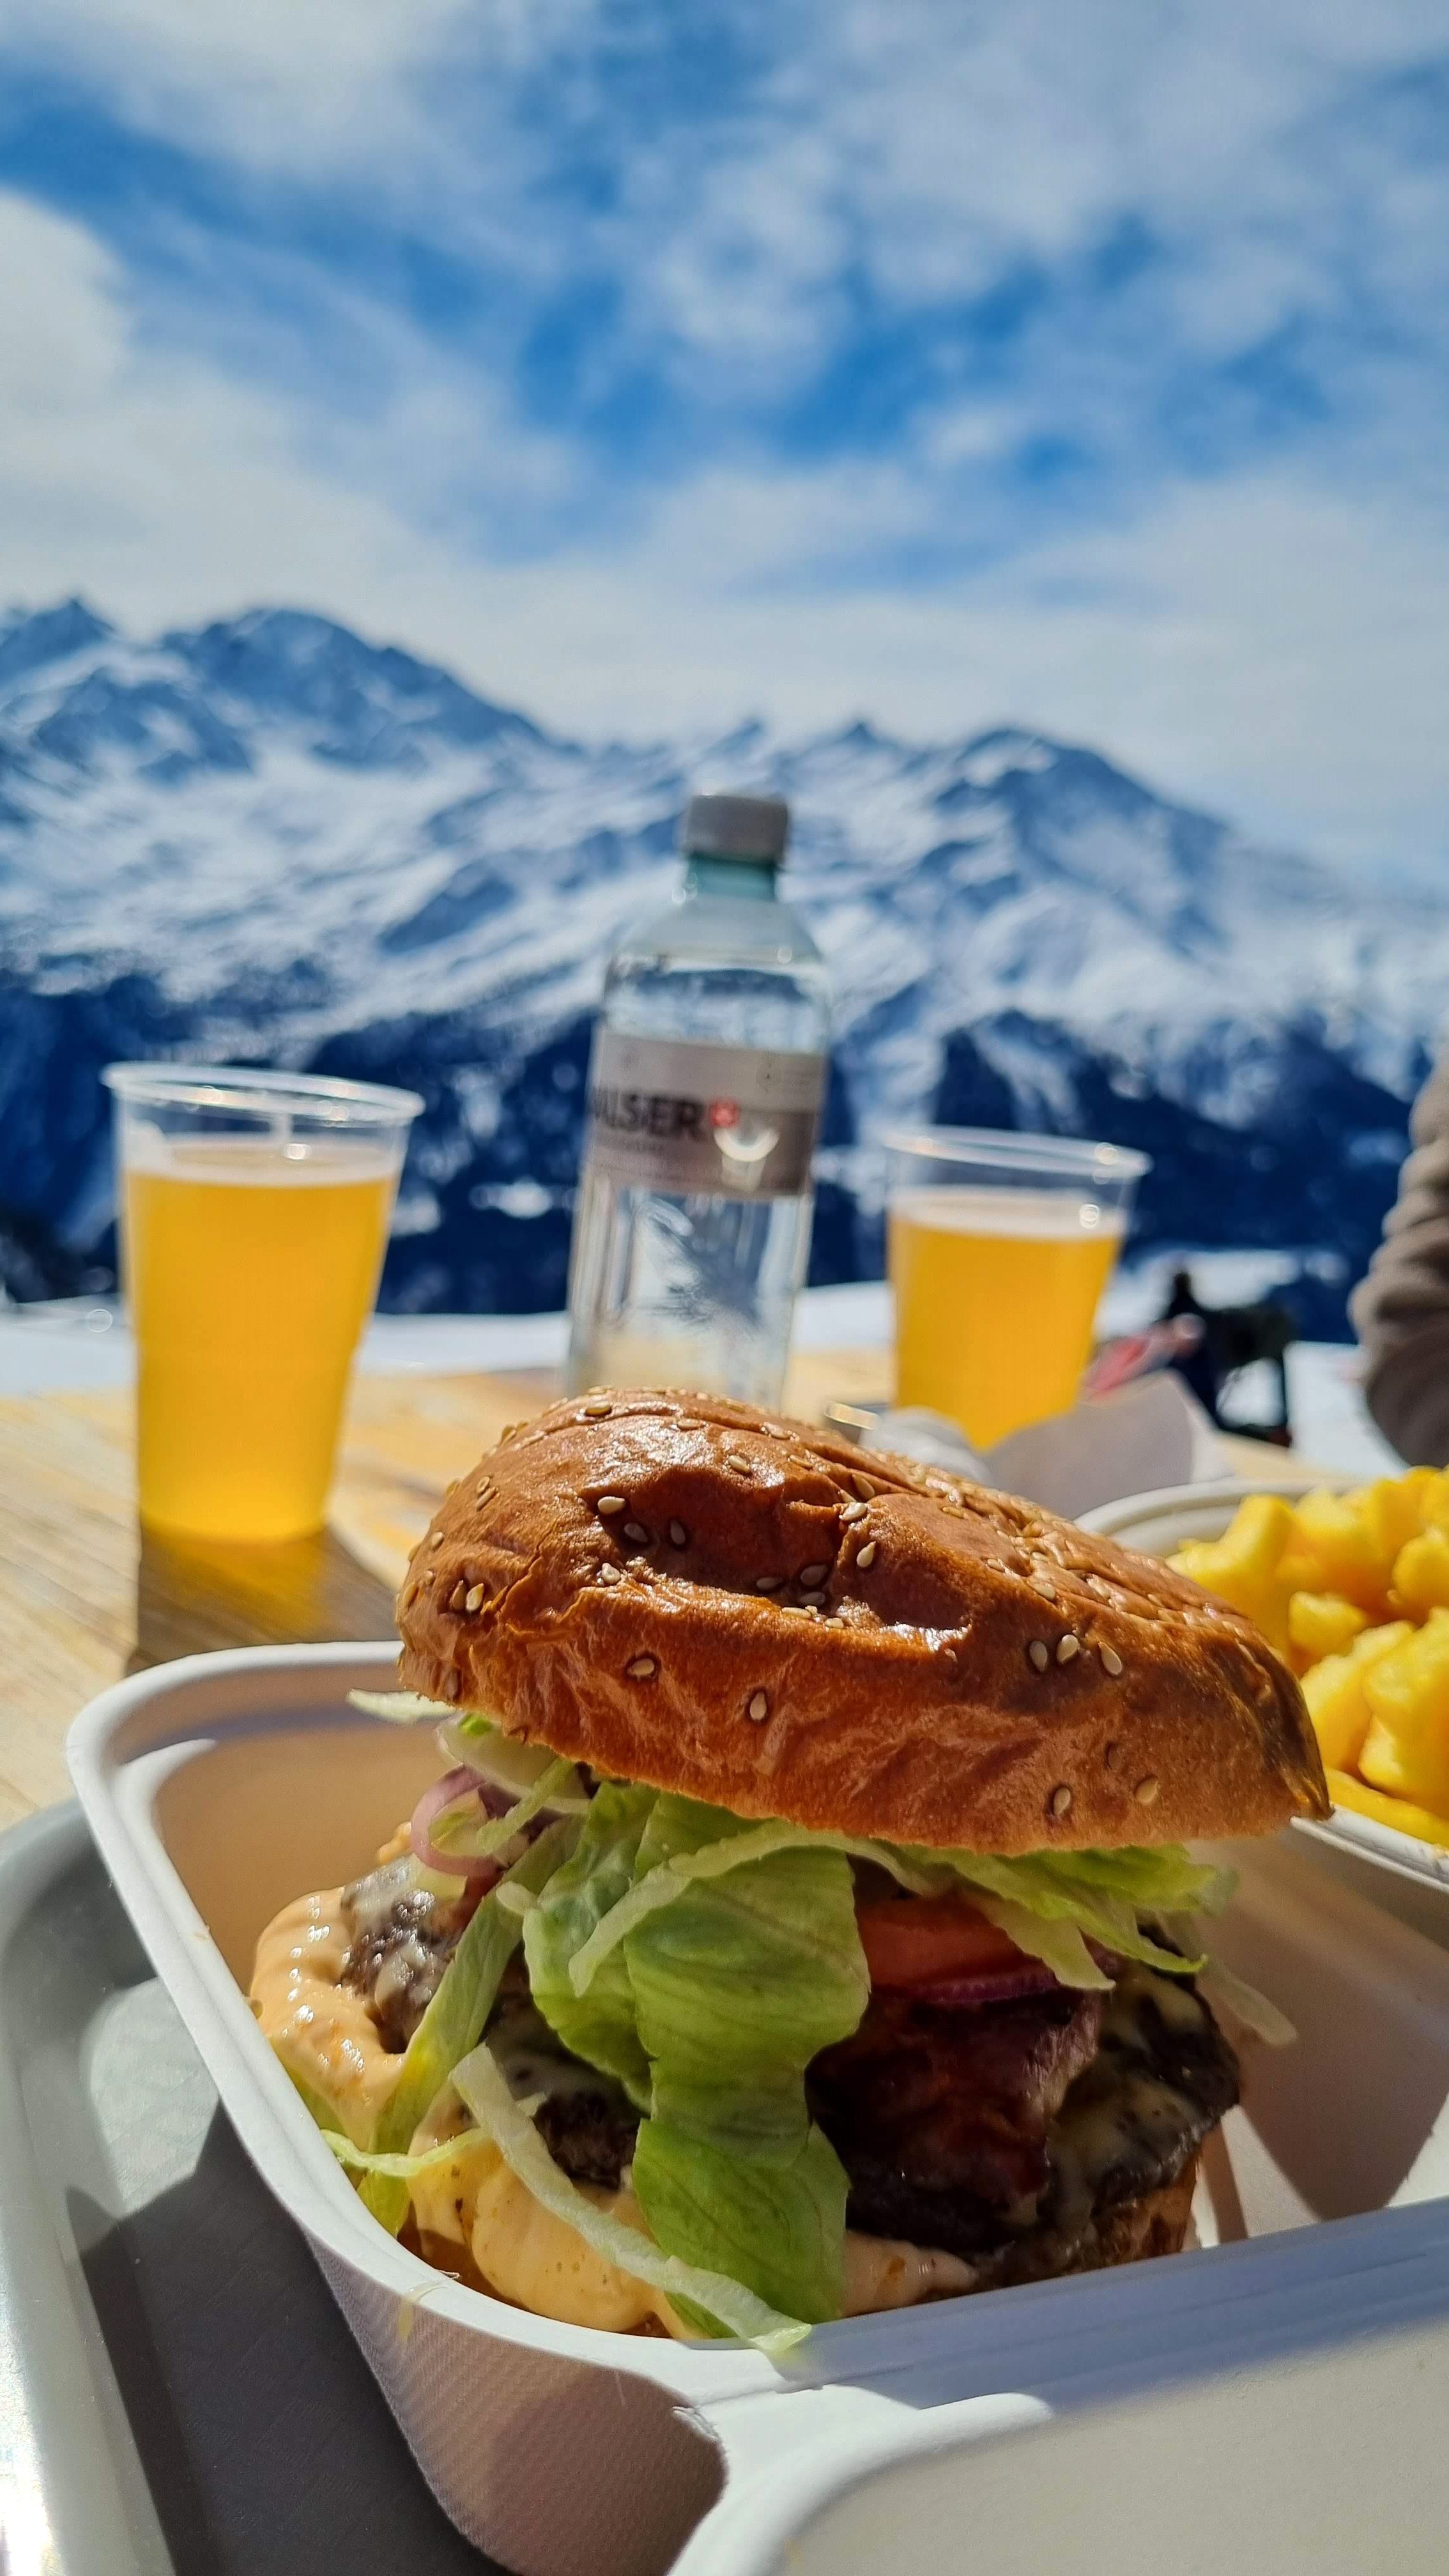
(1161, 1522)
(219, 1787)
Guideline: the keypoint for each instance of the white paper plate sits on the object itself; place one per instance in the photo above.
(1159, 1523)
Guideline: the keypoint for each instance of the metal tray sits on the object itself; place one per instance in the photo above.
(178, 2394)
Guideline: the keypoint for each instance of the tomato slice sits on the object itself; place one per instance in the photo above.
(929, 1940)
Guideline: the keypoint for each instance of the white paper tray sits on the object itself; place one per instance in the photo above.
(219, 1787)
(1159, 1523)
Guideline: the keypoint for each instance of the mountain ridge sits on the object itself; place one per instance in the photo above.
(267, 837)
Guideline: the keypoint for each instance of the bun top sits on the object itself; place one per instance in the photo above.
(685, 1592)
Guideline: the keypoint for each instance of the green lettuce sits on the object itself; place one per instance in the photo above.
(455, 2019)
(600, 2025)
(716, 2298)
(737, 1985)
(709, 2013)
(1049, 1903)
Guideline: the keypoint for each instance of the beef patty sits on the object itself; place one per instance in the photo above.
(1002, 2132)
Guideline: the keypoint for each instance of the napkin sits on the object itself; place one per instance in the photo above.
(1149, 1434)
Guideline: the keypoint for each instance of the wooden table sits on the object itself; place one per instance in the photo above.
(85, 1597)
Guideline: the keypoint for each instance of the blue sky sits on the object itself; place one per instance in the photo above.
(658, 363)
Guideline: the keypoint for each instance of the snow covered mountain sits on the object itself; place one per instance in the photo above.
(267, 839)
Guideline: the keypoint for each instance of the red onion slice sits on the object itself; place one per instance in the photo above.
(1000, 1985)
(987, 1986)
(455, 1789)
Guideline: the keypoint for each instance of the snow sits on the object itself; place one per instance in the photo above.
(270, 838)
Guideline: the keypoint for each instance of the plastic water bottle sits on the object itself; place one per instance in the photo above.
(693, 1223)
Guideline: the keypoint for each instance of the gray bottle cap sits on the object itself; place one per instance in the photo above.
(735, 827)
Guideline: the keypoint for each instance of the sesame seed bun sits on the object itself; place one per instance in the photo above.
(682, 1591)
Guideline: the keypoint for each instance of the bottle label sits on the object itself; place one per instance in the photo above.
(674, 1114)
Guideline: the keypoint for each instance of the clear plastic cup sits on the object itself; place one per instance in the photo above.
(1000, 1246)
(254, 1213)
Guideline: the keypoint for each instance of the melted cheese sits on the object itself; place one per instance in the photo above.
(324, 2033)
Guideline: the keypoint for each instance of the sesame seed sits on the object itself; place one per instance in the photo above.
(436, 1540)
(473, 1597)
(811, 1600)
(636, 1533)
(775, 1430)
(759, 1707)
(452, 1686)
(642, 1669)
(610, 1574)
(734, 1458)
(790, 1610)
(1095, 1584)
(1112, 1757)
(812, 1574)
(430, 1577)
(767, 1583)
(1059, 1804)
(1038, 1654)
(1067, 1648)
(678, 1534)
(865, 1486)
(688, 1422)
(1111, 1662)
(852, 1512)
(596, 1412)
(457, 1598)
(482, 1492)
(608, 1504)
(865, 1556)
(948, 1654)
(1043, 1584)
(1146, 1790)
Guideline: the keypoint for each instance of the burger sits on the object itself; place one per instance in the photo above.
(802, 1922)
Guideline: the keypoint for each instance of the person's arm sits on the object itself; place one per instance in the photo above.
(1401, 1310)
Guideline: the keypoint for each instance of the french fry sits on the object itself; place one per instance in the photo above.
(1406, 1748)
(1350, 1548)
(1352, 1590)
(1241, 1567)
(1421, 1574)
(1398, 1812)
(1336, 1693)
(1323, 1623)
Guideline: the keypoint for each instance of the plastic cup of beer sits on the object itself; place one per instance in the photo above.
(1000, 1246)
(254, 1217)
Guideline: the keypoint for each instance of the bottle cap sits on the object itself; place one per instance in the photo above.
(735, 827)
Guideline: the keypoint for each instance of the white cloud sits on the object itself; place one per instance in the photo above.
(1265, 644)
(277, 81)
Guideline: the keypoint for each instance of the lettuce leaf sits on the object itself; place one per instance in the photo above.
(454, 2021)
(1050, 1903)
(599, 2025)
(715, 2297)
(405, 2168)
(777, 2226)
(737, 1985)
(400, 1708)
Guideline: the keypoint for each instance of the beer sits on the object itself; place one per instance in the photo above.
(254, 1214)
(251, 1271)
(999, 1249)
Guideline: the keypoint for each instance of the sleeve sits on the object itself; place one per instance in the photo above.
(1401, 1310)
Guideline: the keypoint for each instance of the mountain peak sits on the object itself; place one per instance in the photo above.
(29, 638)
(363, 704)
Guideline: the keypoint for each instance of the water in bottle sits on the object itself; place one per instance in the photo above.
(708, 1072)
